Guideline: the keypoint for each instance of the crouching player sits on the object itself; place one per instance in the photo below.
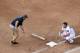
(14, 25)
(67, 33)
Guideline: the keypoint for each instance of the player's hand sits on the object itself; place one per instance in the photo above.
(23, 31)
(16, 28)
(66, 35)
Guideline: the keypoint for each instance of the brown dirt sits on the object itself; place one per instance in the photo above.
(45, 17)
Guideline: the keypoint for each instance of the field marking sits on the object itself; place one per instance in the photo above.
(40, 50)
(46, 48)
(73, 50)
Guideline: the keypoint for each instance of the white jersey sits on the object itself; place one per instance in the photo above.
(69, 30)
(71, 35)
(72, 31)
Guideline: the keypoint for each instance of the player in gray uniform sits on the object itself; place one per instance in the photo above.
(15, 24)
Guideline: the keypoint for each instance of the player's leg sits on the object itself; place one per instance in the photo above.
(72, 36)
(15, 34)
(70, 39)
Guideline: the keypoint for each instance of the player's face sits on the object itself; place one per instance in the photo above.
(64, 25)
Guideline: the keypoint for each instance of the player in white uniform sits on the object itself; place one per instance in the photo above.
(67, 33)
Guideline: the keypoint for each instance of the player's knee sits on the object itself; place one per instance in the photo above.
(67, 38)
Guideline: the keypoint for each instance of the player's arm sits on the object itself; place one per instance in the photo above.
(22, 28)
(61, 32)
(16, 24)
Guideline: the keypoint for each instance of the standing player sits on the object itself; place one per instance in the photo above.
(15, 24)
(67, 33)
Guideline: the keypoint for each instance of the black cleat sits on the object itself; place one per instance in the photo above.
(14, 42)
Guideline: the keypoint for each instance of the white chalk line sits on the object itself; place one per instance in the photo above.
(46, 48)
(40, 50)
(77, 49)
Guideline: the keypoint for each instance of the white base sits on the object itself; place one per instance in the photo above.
(51, 44)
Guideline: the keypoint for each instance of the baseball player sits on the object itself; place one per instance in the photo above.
(67, 32)
(14, 25)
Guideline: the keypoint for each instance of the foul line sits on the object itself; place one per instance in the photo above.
(40, 50)
(46, 48)
(77, 49)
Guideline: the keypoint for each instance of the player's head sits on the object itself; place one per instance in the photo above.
(65, 24)
(25, 16)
